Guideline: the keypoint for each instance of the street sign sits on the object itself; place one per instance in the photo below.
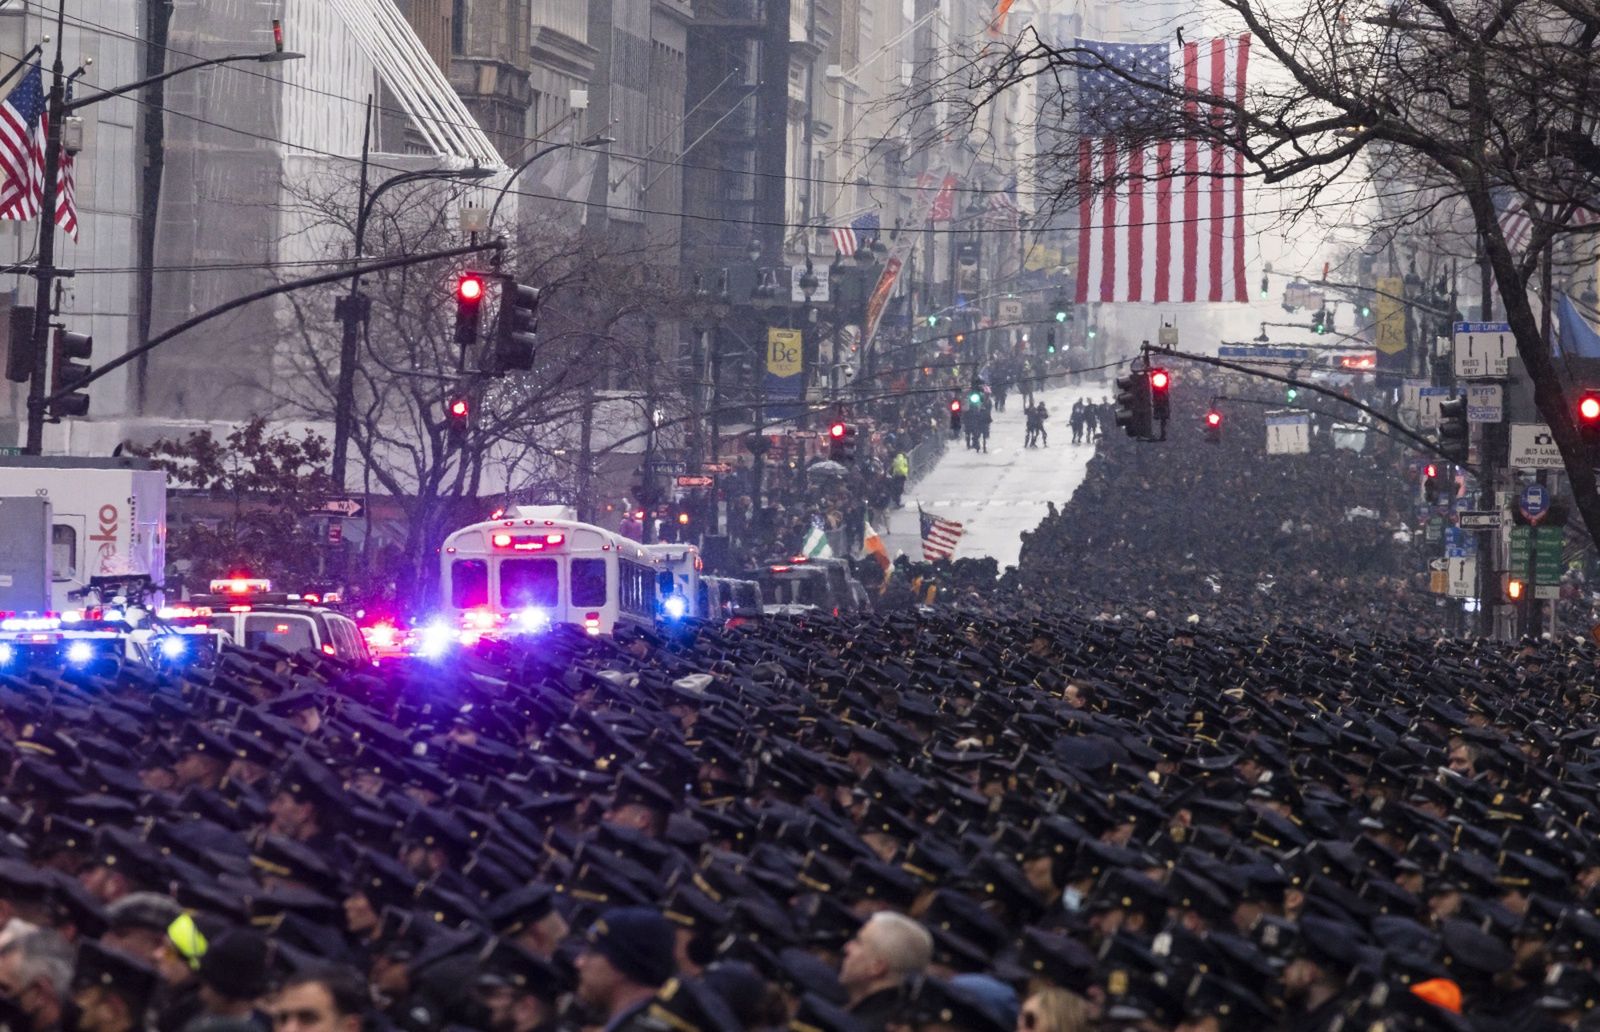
(819, 293)
(1544, 545)
(1267, 354)
(1438, 565)
(1546, 592)
(1434, 530)
(716, 467)
(1288, 433)
(1009, 310)
(1533, 447)
(692, 481)
(668, 468)
(1480, 520)
(1428, 399)
(1483, 349)
(335, 532)
(1463, 574)
(1485, 403)
(340, 507)
(1534, 502)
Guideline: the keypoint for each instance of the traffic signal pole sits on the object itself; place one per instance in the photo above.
(45, 272)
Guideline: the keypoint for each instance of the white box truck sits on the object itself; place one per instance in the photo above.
(108, 517)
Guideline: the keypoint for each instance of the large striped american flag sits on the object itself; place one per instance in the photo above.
(1159, 220)
(939, 536)
(848, 239)
(23, 128)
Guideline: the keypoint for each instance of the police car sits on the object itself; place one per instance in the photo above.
(253, 615)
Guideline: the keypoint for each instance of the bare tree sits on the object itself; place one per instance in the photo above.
(1448, 105)
(528, 431)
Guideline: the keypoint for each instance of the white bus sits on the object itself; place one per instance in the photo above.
(678, 580)
(533, 566)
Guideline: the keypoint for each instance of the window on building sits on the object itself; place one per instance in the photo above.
(458, 26)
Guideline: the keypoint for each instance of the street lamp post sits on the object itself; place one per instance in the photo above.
(45, 271)
(763, 298)
(353, 309)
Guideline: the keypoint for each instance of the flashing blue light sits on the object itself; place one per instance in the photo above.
(80, 652)
(8, 652)
(435, 638)
(173, 646)
(534, 619)
(674, 606)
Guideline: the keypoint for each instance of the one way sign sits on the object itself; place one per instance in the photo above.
(346, 507)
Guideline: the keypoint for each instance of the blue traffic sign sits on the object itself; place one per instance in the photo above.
(1535, 502)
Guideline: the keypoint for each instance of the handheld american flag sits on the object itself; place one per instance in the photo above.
(1159, 219)
(939, 536)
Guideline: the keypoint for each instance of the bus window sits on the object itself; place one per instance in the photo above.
(588, 583)
(63, 552)
(287, 631)
(469, 583)
(529, 582)
(636, 594)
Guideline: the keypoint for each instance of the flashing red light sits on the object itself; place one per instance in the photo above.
(328, 649)
(1589, 408)
(836, 430)
(1430, 471)
(1160, 379)
(1213, 418)
(469, 288)
(458, 408)
(955, 406)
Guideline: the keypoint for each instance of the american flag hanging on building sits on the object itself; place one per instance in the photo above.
(1159, 220)
(22, 140)
(1002, 209)
(939, 536)
(1516, 222)
(847, 239)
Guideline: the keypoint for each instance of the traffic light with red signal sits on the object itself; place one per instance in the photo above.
(469, 307)
(1589, 421)
(842, 442)
(1160, 395)
(1213, 426)
(955, 416)
(458, 414)
(1432, 484)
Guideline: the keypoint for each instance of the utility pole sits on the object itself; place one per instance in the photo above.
(45, 271)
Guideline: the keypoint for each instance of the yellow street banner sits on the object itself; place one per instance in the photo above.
(1391, 315)
(785, 353)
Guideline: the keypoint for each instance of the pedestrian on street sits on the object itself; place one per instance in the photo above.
(1041, 416)
(899, 471)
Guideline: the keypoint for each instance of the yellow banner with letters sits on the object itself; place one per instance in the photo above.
(785, 353)
(1390, 313)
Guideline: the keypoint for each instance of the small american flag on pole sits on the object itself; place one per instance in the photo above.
(939, 536)
(22, 140)
(846, 239)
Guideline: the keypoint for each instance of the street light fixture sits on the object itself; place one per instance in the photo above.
(597, 140)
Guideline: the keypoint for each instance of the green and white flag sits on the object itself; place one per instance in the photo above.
(816, 545)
